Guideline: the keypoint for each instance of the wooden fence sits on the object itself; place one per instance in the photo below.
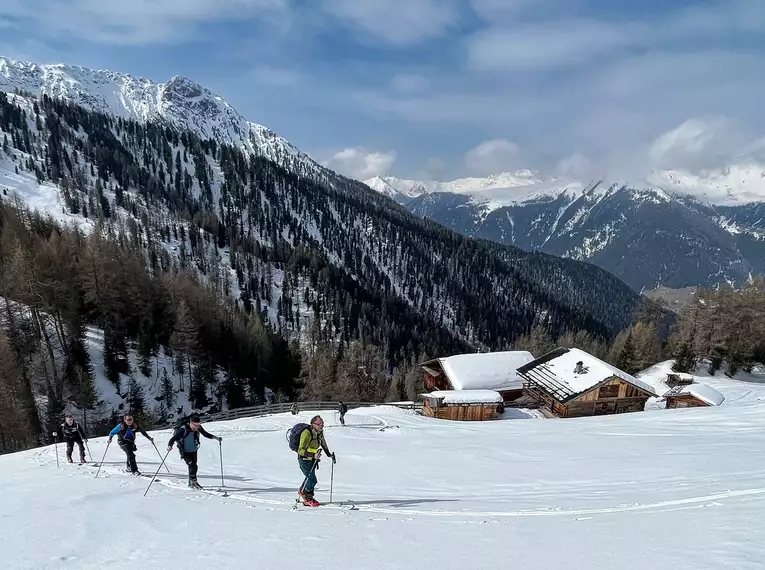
(267, 409)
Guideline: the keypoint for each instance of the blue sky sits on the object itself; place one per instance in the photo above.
(444, 88)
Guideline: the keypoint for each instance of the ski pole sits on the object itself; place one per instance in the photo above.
(160, 456)
(55, 444)
(157, 473)
(220, 449)
(88, 448)
(315, 463)
(331, 481)
(102, 459)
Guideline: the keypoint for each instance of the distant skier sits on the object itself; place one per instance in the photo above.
(294, 409)
(343, 410)
(187, 438)
(309, 455)
(72, 433)
(125, 432)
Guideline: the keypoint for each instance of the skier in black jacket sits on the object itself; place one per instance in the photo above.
(343, 410)
(125, 432)
(72, 433)
(187, 438)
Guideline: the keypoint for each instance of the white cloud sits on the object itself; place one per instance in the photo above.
(409, 82)
(574, 166)
(549, 44)
(361, 164)
(569, 42)
(491, 157)
(136, 22)
(491, 10)
(699, 143)
(398, 22)
(277, 77)
(433, 169)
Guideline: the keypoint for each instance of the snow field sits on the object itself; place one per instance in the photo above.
(674, 489)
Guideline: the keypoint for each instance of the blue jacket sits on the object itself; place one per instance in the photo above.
(127, 433)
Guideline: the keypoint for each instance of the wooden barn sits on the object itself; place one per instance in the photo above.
(678, 379)
(495, 371)
(693, 396)
(572, 383)
(462, 405)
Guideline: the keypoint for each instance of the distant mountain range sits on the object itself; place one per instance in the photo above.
(648, 235)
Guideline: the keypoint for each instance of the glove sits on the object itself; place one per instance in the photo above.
(169, 448)
(110, 440)
(151, 439)
(219, 439)
(333, 458)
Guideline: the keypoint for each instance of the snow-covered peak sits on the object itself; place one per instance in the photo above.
(492, 192)
(736, 184)
(415, 188)
(180, 102)
(382, 186)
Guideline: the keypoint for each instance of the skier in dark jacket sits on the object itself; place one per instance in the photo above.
(187, 439)
(72, 433)
(125, 432)
(343, 410)
(309, 454)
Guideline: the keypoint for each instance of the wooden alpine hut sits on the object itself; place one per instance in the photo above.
(462, 405)
(693, 396)
(571, 383)
(678, 379)
(495, 371)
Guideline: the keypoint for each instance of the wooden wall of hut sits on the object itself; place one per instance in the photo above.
(462, 412)
(685, 401)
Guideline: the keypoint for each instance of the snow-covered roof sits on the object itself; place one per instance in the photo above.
(556, 372)
(681, 375)
(700, 391)
(483, 370)
(467, 396)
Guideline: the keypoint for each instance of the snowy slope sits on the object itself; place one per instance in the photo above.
(664, 489)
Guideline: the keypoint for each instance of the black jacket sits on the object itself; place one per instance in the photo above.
(72, 431)
(180, 434)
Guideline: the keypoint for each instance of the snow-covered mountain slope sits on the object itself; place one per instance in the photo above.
(551, 497)
(738, 184)
(402, 189)
(647, 237)
(179, 102)
(314, 253)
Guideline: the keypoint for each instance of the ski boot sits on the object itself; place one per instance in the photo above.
(308, 499)
(194, 485)
(69, 459)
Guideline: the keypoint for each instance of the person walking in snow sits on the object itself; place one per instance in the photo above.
(126, 432)
(312, 443)
(343, 410)
(72, 433)
(187, 438)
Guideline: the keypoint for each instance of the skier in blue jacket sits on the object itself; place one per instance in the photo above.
(126, 432)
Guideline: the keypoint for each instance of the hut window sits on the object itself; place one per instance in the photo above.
(610, 391)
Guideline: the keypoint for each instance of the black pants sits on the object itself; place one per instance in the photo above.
(342, 419)
(190, 457)
(70, 446)
(129, 448)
